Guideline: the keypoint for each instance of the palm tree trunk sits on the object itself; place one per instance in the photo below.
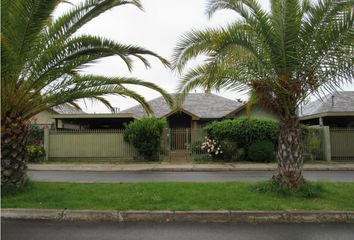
(14, 132)
(289, 154)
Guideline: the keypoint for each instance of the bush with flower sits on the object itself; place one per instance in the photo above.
(36, 153)
(212, 147)
(35, 149)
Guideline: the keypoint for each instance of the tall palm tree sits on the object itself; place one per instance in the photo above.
(298, 48)
(41, 61)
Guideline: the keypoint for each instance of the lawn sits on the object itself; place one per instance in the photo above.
(174, 196)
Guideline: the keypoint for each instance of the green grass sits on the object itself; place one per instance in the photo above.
(173, 196)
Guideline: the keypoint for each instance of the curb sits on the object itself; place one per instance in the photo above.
(181, 216)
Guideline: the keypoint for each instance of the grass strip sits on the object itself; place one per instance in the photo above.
(173, 196)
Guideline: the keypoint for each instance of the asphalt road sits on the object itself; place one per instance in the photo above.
(42, 230)
(151, 176)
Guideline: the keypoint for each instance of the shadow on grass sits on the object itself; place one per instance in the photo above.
(308, 190)
(13, 190)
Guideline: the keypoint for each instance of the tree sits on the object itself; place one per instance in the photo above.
(298, 48)
(41, 62)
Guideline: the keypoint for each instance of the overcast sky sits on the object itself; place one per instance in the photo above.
(157, 28)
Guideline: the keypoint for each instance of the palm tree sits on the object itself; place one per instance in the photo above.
(298, 48)
(41, 61)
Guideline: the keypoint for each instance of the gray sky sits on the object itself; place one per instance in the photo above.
(157, 28)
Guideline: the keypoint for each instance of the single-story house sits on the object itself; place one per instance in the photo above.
(335, 111)
(66, 117)
(197, 110)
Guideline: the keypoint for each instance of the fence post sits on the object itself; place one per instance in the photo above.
(326, 143)
(46, 143)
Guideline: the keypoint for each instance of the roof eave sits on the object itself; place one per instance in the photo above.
(326, 114)
(194, 117)
(88, 115)
(234, 112)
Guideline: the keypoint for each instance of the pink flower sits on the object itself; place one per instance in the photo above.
(34, 119)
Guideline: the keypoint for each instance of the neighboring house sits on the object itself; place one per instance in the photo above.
(46, 117)
(335, 111)
(66, 117)
(91, 121)
(197, 110)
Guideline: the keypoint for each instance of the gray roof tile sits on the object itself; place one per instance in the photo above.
(203, 105)
(342, 102)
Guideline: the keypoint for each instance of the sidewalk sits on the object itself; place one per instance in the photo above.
(183, 167)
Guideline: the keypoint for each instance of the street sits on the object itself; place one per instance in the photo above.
(42, 230)
(157, 176)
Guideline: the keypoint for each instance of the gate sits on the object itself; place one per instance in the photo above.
(342, 144)
(183, 138)
(180, 138)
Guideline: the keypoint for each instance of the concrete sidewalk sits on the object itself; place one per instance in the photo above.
(183, 167)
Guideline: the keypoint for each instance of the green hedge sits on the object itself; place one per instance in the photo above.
(262, 152)
(244, 131)
(145, 135)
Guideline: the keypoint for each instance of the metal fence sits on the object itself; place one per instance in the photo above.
(89, 144)
(313, 144)
(321, 144)
(183, 138)
(342, 144)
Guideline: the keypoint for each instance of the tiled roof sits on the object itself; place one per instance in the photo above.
(202, 105)
(340, 102)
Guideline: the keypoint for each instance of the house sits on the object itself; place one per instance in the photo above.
(46, 117)
(335, 111)
(66, 117)
(197, 110)
(91, 121)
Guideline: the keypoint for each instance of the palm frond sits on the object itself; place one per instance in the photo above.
(42, 57)
(296, 49)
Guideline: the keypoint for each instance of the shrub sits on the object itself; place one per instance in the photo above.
(244, 131)
(35, 132)
(36, 153)
(195, 147)
(312, 143)
(213, 148)
(145, 135)
(232, 152)
(35, 135)
(261, 152)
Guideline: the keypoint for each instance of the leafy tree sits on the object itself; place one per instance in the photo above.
(41, 60)
(298, 48)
